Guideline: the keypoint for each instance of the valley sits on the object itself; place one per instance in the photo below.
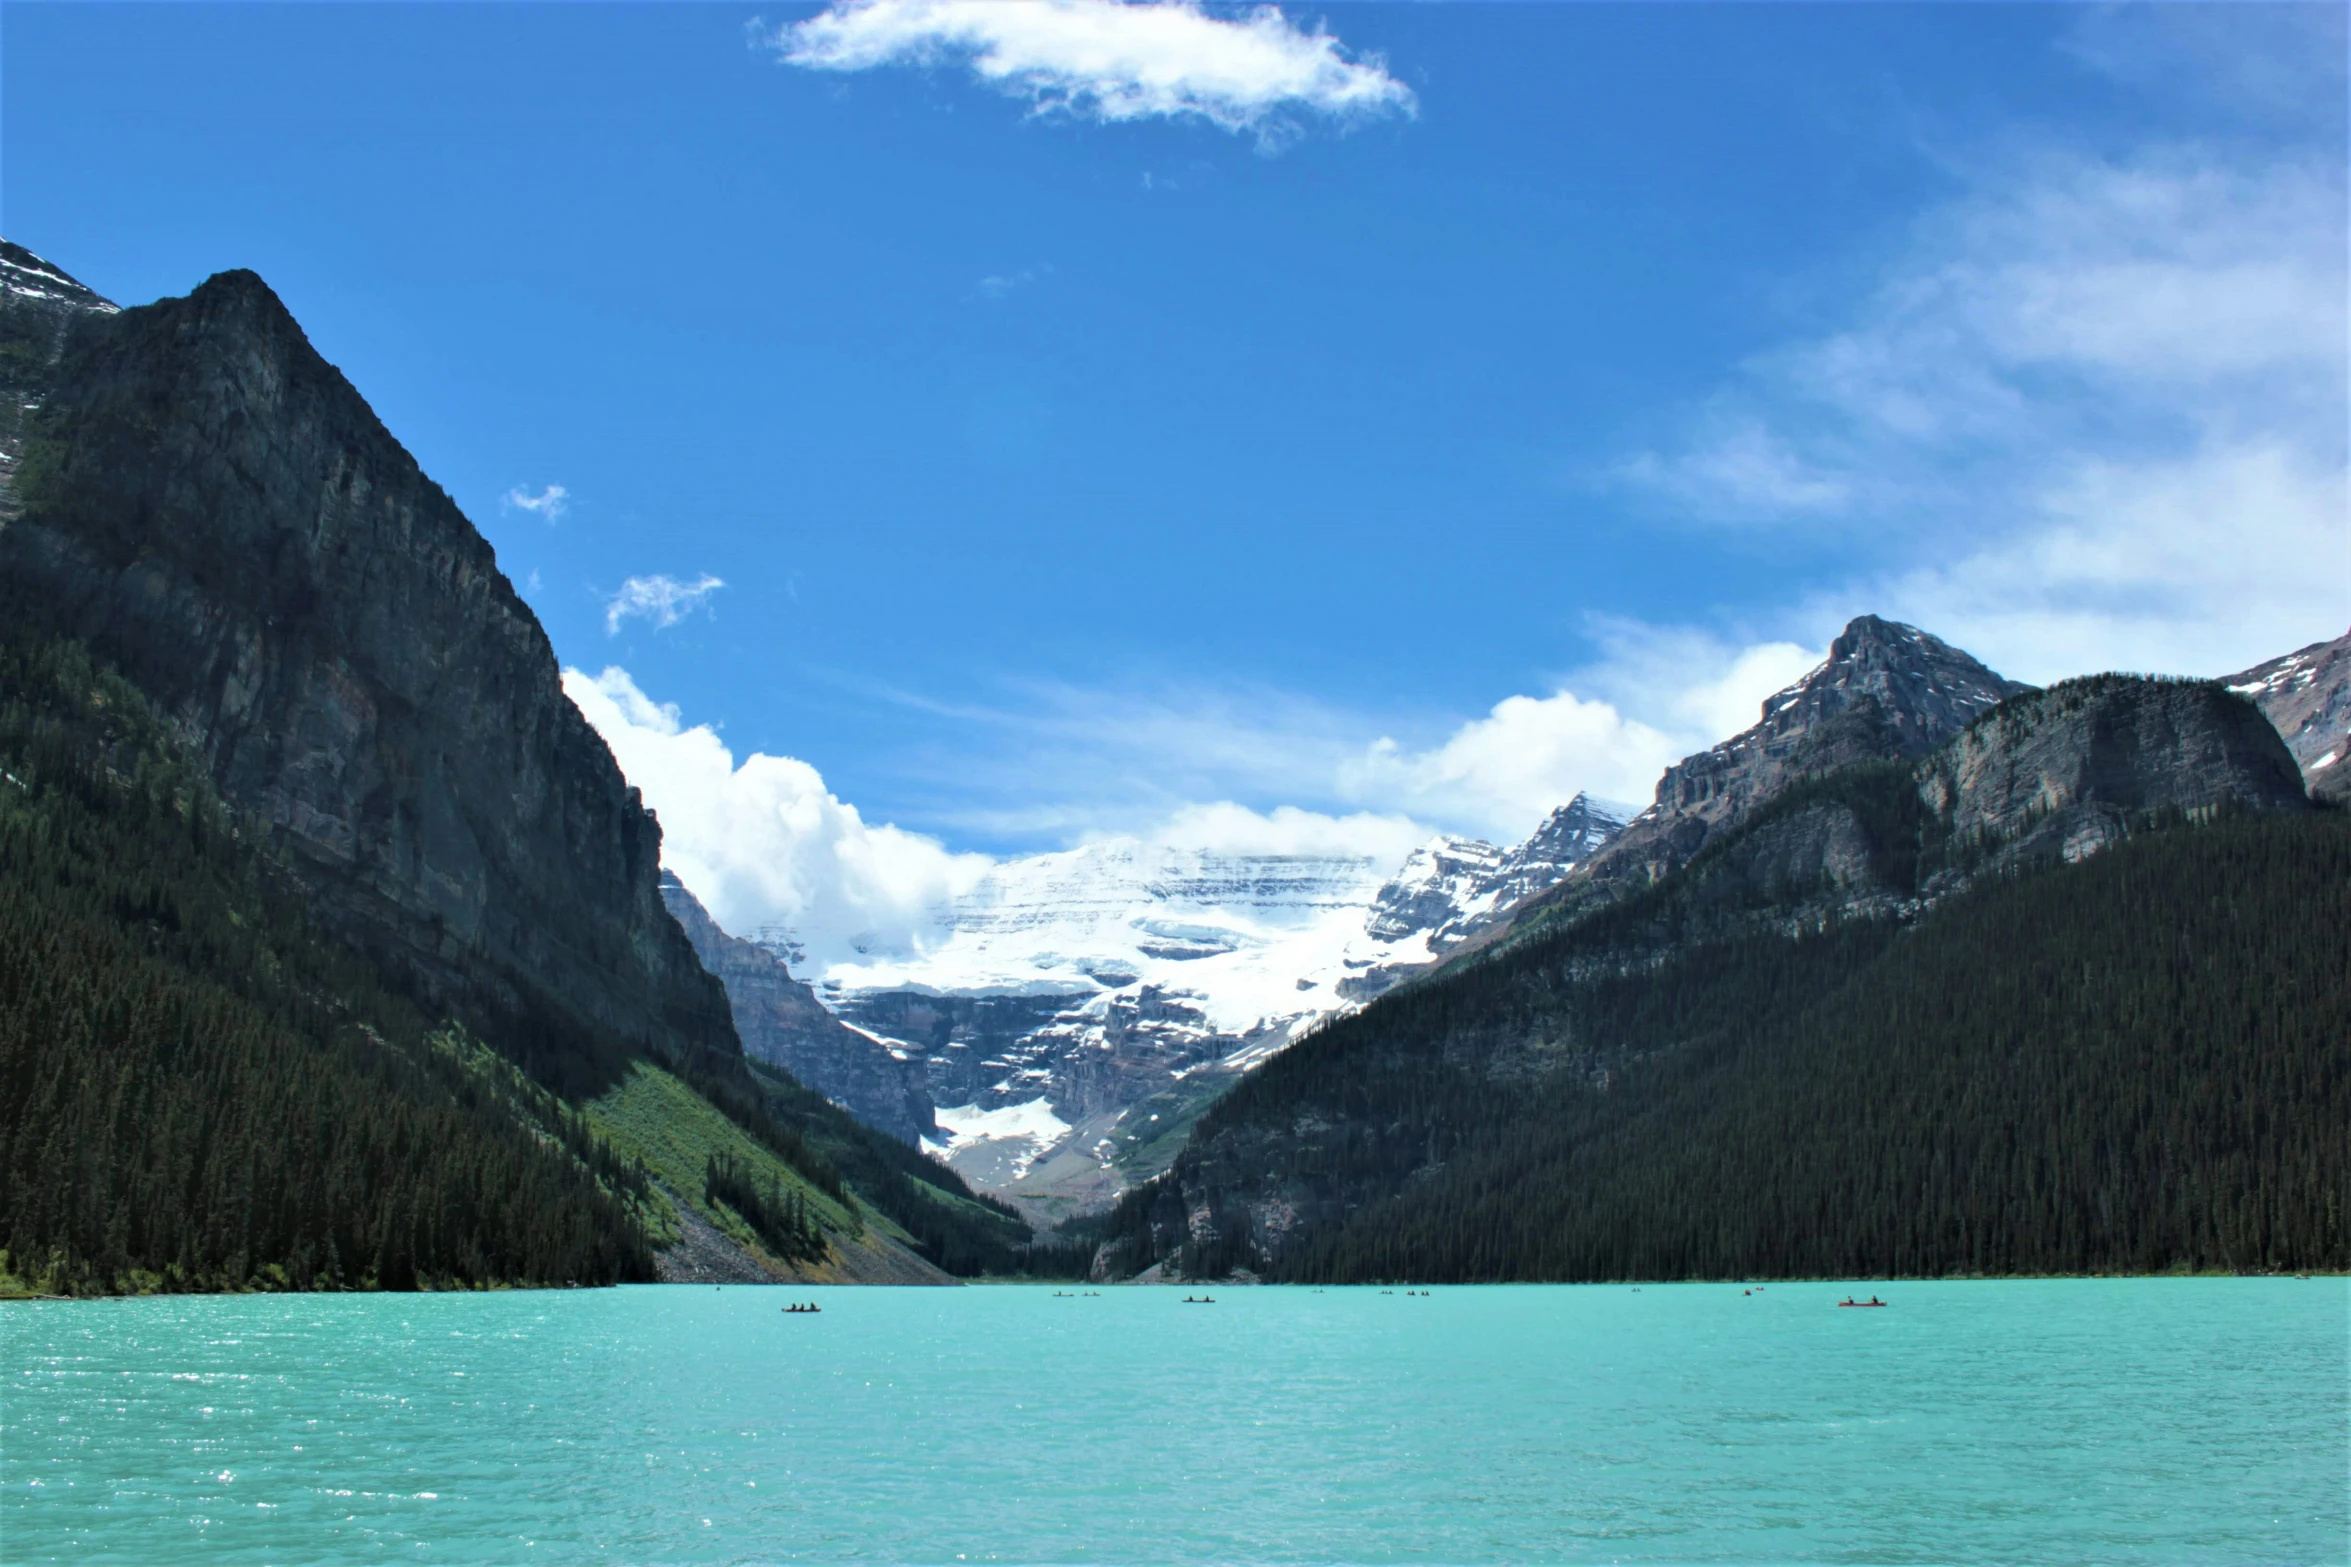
(1133, 1057)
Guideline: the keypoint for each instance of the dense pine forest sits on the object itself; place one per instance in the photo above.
(2136, 1064)
(198, 1091)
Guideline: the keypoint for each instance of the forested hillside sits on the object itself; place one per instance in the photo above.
(197, 1091)
(2136, 1063)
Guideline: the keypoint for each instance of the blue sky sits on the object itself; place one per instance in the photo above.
(1403, 415)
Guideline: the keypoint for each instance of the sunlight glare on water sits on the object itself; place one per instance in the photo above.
(2186, 1420)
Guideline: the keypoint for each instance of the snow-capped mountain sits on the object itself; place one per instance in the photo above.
(1066, 989)
(1451, 889)
(2307, 695)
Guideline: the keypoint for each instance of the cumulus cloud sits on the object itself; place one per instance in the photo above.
(549, 504)
(771, 850)
(1109, 59)
(1063, 764)
(663, 600)
(763, 843)
(1675, 692)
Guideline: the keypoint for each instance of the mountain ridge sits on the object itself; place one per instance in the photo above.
(2043, 781)
(213, 508)
(1884, 691)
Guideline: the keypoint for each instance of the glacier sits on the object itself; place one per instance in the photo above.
(1071, 1009)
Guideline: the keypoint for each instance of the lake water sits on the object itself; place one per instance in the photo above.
(2094, 1421)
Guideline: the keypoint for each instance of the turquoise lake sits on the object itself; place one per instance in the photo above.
(2183, 1420)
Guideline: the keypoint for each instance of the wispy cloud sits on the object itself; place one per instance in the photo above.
(1109, 60)
(998, 284)
(663, 600)
(549, 504)
(2092, 415)
(1056, 763)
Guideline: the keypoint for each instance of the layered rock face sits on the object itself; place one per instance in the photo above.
(2307, 695)
(2070, 767)
(2051, 775)
(780, 1021)
(213, 508)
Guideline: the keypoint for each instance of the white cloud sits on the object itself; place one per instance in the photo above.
(1226, 828)
(998, 284)
(1676, 691)
(549, 504)
(764, 842)
(2091, 415)
(766, 845)
(2263, 62)
(1109, 59)
(663, 600)
(2230, 554)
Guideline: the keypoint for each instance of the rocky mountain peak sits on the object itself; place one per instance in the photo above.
(39, 305)
(30, 280)
(220, 516)
(1574, 832)
(1886, 691)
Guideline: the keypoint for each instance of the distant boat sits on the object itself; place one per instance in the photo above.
(795, 1311)
(1850, 1301)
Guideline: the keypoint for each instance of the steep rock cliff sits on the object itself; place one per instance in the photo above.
(210, 505)
(781, 1022)
(2066, 770)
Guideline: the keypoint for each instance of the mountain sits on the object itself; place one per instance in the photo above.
(213, 510)
(2307, 695)
(1454, 890)
(781, 1022)
(1885, 691)
(1074, 1010)
(199, 1090)
(336, 953)
(1844, 1035)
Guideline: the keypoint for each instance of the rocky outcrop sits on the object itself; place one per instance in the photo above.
(1885, 692)
(2307, 696)
(213, 508)
(2053, 775)
(2069, 769)
(780, 1021)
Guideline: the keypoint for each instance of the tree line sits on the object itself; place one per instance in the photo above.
(199, 1090)
(2135, 1064)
